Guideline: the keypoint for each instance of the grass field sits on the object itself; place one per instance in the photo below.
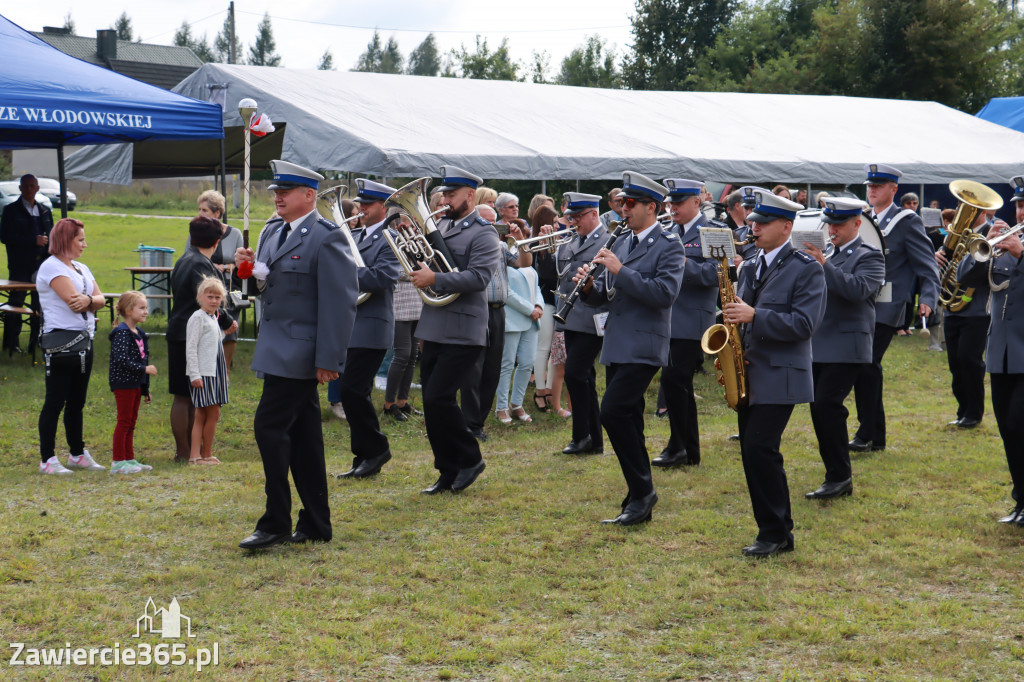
(514, 579)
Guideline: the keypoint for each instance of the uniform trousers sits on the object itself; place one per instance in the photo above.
(622, 415)
(761, 428)
(581, 351)
(685, 355)
(833, 382)
(478, 395)
(1007, 404)
(355, 388)
(443, 369)
(966, 338)
(289, 435)
(868, 389)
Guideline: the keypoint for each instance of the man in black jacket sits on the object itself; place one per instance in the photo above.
(25, 228)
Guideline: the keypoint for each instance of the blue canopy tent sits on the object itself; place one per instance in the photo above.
(1006, 111)
(49, 99)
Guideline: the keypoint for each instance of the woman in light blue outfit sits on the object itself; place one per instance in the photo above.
(523, 308)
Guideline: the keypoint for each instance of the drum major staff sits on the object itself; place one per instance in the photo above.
(643, 273)
(780, 302)
(841, 346)
(1005, 353)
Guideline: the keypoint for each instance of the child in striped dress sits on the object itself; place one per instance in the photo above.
(204, 362)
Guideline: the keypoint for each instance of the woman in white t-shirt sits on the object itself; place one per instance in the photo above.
(68, 296)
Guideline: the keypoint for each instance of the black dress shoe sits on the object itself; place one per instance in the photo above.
(858, 445)
(968, 423)
(370, 467)
(1011, 517)
(409, 409)
(395, 412)
(301, 537)
(351, 472)
(762, 548)
(662, 413)
(465, 477)
(261, 540)
(479, 435)
(672, 459)
(580, 447)
(830, 490)
(955, 422)
(635, 511)
(443, 484)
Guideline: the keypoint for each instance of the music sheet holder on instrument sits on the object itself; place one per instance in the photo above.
(717, 243)
(815, 237)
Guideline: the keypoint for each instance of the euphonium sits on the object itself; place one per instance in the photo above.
(974, 197)
(421, 242)
(723, 339)
(331, 197)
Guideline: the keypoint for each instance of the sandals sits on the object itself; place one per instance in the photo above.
(563, 413)
(203, 460)
(541, 401)
(519, 413)
(503, 417)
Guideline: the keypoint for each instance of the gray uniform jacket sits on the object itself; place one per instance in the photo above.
(853, 277)
(474, 244)
(1005, 353)
(694, 309)
(568, 259)
(308, 299)
(789, 306)
(909, 255)
(641, 296)
(375, 318)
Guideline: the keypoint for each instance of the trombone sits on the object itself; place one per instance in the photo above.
(545, 242)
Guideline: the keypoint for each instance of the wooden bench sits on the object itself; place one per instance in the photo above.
(7, 309)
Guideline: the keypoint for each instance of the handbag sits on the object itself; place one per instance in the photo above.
(65, 347)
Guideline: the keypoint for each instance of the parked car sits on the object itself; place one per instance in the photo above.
(10, 192)
(51, 188)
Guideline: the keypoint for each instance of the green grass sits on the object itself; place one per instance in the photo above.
(515, 579)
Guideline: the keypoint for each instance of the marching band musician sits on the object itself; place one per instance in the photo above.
(692, 313)
(644, 270)
(455, 335)
(582, 341)
(743, 233)
(373, 333)
(908, 257)
(1005, 342)
(780, 301)
(841, 346)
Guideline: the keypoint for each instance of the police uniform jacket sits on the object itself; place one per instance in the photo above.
(789, 304)
(640, 313)
(909, 255)
(853, 277)
(375, 317)
(569, 258)
(308, 299)
(18, 231)
(1005, 353)
(694, 309)
(474, 244)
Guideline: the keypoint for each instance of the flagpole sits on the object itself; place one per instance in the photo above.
(247, 109)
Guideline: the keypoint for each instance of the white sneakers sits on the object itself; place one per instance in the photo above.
(53, 466)
(338, 411)
(84, 461)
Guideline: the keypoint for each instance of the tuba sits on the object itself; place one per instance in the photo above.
(974, 198)
(331, 198)
(420, 242)
(723, 339)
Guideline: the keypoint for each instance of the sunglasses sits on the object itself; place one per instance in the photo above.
(630, 202)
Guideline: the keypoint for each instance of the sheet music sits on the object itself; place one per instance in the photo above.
(815, 237)
(717, 242)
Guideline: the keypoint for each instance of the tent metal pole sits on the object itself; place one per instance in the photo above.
(808, 196)
(543, 186)
(63, 181)
(577, 184)
(921, 202)
(223, 176)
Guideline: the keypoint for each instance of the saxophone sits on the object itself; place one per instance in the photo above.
(723, 339)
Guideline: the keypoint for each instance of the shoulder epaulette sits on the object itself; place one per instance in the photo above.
(330, 225)
(805, 257)
(670, 235)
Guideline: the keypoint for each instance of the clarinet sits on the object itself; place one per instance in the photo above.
(617, 229)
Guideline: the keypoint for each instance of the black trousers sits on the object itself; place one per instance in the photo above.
(403, 364)
(761, 428)
(868, 389)
(355, 388)
(622, 415)
(685, 355)
(1007, 403)
(833, 381)
(16, 299)
(66, 390)
(289, 436)
(966, 338)
(443, 369)
(581, 352)
(478, 394)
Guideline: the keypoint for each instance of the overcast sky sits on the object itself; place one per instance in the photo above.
(303, 29)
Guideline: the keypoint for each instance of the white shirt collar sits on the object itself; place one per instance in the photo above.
(33, 209)
(368, 231)
(688, 225)
(643, 235)
(296, 223)
(770, 256)
(883, 211)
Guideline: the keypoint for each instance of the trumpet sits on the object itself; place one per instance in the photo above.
(983, 249)
(332, 198)
(545, 242)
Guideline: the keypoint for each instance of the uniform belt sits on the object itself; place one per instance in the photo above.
(496, 305)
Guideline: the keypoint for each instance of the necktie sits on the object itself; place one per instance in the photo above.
(285, 229)
(633, 242)
(362, 236)
(762, 268)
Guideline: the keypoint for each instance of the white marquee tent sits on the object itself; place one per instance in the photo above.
(394, 125)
